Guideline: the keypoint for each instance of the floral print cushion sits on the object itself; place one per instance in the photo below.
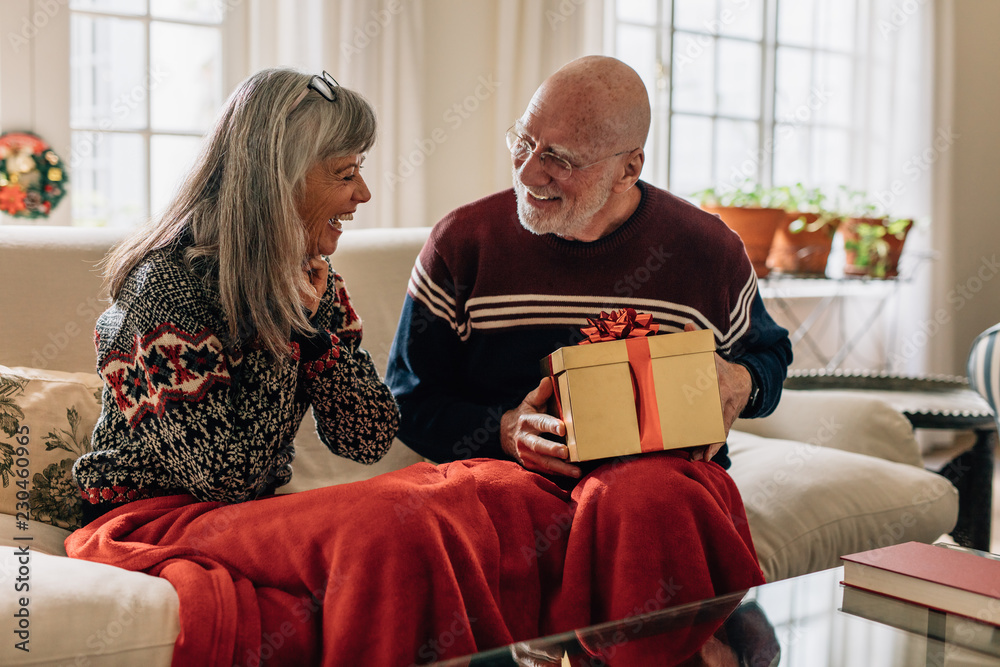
(46, 418)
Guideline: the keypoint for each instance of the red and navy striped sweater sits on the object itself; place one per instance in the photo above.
(488, 299)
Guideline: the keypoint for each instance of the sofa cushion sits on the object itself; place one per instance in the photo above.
(852, 421)
(84, 613)
(45, 538)
(46, 419)
(807, 504)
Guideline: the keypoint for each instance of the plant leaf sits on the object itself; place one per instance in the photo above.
(55, 441)
(73, 417)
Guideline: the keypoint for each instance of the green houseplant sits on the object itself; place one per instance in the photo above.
(873, 241)
(802, 245)
(748, 211)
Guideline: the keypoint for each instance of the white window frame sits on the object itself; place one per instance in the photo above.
(659, 143)
(35, 78)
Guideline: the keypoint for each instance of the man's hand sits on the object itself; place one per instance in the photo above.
(521, 439)
(316, 270)
(734, 389)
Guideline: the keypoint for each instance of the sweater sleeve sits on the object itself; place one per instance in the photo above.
(766, 352)
(214, 421)
(438, 420)
(356, 415)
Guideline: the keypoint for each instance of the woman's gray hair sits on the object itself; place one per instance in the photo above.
(239, 203)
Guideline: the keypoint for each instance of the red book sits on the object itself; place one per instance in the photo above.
(956, 581)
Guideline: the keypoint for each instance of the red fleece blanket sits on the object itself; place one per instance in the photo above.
(429, 562)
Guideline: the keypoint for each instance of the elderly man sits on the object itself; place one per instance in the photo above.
(504, 281)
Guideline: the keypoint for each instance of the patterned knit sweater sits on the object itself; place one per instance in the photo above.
(487, 300)
(185, 410)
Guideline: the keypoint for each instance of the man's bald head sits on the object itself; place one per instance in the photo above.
(601, 96)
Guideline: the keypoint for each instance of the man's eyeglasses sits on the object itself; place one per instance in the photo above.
(556, 166)
(325, 85)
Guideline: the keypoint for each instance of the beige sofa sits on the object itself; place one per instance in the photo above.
(827, 474)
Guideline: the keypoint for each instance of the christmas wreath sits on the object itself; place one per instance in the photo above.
(32, 177)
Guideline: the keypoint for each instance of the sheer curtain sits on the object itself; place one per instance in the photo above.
(903, 142)
(373, 46)
(534, 38)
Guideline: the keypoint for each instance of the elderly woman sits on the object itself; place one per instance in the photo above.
(226, 324)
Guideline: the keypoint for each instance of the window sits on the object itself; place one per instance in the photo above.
(771, 91)
(146, 81)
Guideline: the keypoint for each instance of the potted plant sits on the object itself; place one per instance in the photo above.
(872, 246)
(802, 245)
(873, 241)
(748, 211)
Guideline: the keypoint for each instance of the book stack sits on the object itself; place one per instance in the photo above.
(946, 592)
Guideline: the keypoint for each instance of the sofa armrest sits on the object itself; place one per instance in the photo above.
(848, 421)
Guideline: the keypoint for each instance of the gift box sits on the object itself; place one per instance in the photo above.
(631, 392)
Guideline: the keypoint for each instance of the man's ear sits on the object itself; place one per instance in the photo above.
(630, 174)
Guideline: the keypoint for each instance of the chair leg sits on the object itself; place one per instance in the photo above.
(972, 474)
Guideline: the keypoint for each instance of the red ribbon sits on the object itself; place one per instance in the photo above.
(619, 325)
(632, 327)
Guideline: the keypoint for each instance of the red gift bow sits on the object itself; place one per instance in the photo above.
(619, 325)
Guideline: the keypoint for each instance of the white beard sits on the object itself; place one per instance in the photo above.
(568, 221)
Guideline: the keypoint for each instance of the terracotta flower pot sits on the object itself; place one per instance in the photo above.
(852, 266)
(804, 252)
(756, 227)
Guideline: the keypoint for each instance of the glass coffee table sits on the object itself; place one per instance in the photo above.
(807, 621)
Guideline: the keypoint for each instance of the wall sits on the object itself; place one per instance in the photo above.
(461, 53)
(968, 179)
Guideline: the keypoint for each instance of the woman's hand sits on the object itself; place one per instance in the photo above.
(316, 270)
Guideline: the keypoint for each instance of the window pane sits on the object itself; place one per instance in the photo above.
(795, 22)
(831, 157)
(693, 68)
(204, 11)
(636, 11)
(697, 15)
(791, 155)
(832, 99)
(736, 154)
(637, 47)
(134, 7)
(170, 161)
(185, 83)
(742, 18)
(109, 179)
(654, 170)
(835, 24)
(690, 154)
(108, 84)
(792, 83)
(739, 78)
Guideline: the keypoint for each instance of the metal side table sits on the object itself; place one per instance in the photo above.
(942, 403)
